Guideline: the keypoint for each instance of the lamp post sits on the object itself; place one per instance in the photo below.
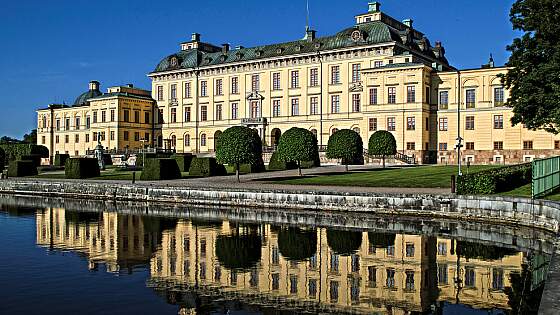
(144, 141)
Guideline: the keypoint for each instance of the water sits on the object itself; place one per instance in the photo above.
(142, 259)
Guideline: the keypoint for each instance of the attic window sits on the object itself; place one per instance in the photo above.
(299, 47)
(174, 62)
(259, 53)
(208, 59)
(223, 58)
(239, 56)
(280, 50)
(318, 45)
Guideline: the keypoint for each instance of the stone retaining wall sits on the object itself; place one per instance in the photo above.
(519, 211)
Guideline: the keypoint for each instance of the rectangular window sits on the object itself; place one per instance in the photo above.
(498, 145)
(147, 136)
(527, 145)
(147, 118)
(469, 145)
(499, 96)
(471, 98)
(275, 108)
(443, 146)
(556, 145)
(77, 123)
(314, 109)
(88, 122)
(497, 279)
(112, 115)
(335, 75)
(160, 93)
(126, 116)
(235, 85)
(187, 92)
(203, 88)
(410, 94)
(66, 139)
(234, 110)
(57, 139)
(409, 282)
(203, 113)
(295, 106)
(276, 81)
(77, 138)
(390, 283)
(469, 122)
(87, 137)
(391, 125)
(411, 146)
(112, 136)
(125, 136)
(443, 99)
(335, 104)
(136, 136)
(67, 124)
(95, 117)
(187, 114)
(218, 111)
(58, 125)
(43, 139)
(411, 123)
(173, 92)
(392, 95)
(173, 115)
(442, 275)
(255, 109)
(470, 277)
(136, 116)
(219, 87)
(373, 124)
(356, 72)
(255, 82)
(312, 288)
(373, 96)
(443, 124)
(378, 64)
(356, 103)
(294, 79)
(314, 77)
(498, 122)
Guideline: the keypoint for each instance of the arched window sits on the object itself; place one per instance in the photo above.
(334, 130)
(187, 140)
(173, 141)
(203, 140)
(357, 130)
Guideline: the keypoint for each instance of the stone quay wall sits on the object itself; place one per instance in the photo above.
(517, 211)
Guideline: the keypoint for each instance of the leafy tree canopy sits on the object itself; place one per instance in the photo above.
(345, 144)
(239, 145)
(31, 137)
(297, 145)
(534, 80)
(382, 143)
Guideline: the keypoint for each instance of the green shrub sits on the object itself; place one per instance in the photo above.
(347, 146)
(22, 168)
(206, 167)
(14, 152)
(183, 161)
(238, 252)
(160, 169)
(297, 244)
(276, 165)
(60, 159)
(344, 243)
(81, 168)
(494, 181)
(2, 159)
(298, 145)
(140, 157)
(240, 145)
(35, 158)
(382, 143)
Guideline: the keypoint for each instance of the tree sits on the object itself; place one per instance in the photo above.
(239, 145)
(296, 244)
(346, 145)
(344, 243)
(297, 145)
(533, 79)
(382, 143)
(9, 140)
(31, 137)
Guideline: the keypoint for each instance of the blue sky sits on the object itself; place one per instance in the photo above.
(50, 50)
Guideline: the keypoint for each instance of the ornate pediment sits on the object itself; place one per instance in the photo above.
(255, 96)
(356, 87)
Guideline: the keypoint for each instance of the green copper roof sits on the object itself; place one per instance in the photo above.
(122, 94)
(82, 99)
(372, 33)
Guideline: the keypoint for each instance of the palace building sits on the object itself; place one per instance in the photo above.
(377, 74)
(121, 119)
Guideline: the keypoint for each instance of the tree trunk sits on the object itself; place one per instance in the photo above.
(237, 172)
(383, 161)
(299, 168)
(346, 168)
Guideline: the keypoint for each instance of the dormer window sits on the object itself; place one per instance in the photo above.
(280, 50)
(174, 62)
(299, 47)
(259, 53)
(318, 45)
(239, 55)
(223, 58)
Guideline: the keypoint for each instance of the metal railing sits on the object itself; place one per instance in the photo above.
(546, 176)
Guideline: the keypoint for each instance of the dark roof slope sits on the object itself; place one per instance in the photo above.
(82, 99)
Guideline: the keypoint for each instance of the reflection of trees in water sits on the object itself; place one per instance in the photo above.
(296, 244)
(18, 211)
(83, 217)
(381, 240)
(344, 243)
(521, 299)
(471, 250)
(241, 250)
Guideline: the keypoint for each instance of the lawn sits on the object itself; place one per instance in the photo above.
(525, 191)
(410, 177)
(109, 174)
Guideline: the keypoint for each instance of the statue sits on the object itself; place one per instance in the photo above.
(99, 152)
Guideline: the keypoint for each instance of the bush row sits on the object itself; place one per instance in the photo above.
(160, 169)
(22, 168)
(2, 159)
(81, 168)
(60, 159)
(495, 180)
(15, 152)
(206, 167)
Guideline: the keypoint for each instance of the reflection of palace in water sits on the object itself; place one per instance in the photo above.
(116, 240)
(409, 274)
(387, 273)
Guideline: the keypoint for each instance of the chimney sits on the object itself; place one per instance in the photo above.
(439, 50)
(195, 37)
(94, 86)
(130, 85)
(310, 34)
(239, 47)
(408, 22)
(374, 6)
(225, 48)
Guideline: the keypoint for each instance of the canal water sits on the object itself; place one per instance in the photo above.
(72, 257)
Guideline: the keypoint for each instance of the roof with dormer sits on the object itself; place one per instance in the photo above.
(374, 32)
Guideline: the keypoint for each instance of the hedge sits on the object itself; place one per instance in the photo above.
(183, 161)
(35, 158)
(22, 169)
(494, 181)
(206, 167)
(346, 145)
(160, 169)
(14, 152)
(108, 159)
(2, 159)
(81, 168)
(140, 157)
(276, 165)
(60, 159)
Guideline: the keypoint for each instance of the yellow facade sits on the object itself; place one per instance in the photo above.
(121, 118)
(380, 74)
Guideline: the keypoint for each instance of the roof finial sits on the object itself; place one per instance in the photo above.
(307, 16)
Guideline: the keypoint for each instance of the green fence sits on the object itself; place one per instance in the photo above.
(546, 176)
